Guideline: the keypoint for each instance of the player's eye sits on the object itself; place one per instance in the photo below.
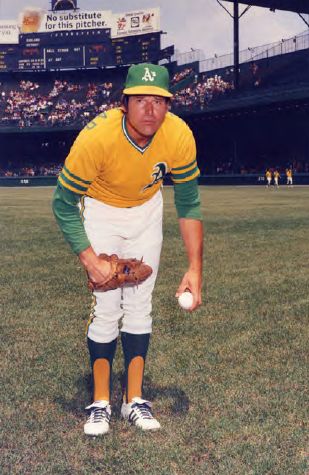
(157, 103)
(140, 101)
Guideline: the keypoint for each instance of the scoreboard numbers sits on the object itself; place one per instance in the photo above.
(78, 49)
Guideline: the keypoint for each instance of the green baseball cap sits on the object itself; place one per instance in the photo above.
(147, 79)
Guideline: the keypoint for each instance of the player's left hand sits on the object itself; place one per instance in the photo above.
(192, 281)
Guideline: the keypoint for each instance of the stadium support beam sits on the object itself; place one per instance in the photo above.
(304, 20)
(236, 17)
(236, 44)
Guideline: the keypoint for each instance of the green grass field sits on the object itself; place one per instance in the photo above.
(228, 382)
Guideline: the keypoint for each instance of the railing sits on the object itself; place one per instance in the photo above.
(284, 46)
(189, 57)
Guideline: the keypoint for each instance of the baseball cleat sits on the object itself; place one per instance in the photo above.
(138, 413)
(98, 419)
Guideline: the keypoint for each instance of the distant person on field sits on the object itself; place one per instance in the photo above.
(268, 176)
(289, 176)
(276, 178)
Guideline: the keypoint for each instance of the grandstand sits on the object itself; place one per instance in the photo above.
(239, 132)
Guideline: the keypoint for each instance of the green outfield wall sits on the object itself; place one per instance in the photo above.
(210, 180)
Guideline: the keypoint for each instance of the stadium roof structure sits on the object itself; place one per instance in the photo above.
(297, 6)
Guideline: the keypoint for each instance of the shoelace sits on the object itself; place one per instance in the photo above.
(98, 414)
(142, 411)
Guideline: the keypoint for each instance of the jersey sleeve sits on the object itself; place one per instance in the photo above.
(67, 214)
(185, 165)
(81, 166)
(187, 200)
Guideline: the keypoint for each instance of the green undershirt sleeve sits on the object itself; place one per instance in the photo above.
(67, 214)
(187, 200)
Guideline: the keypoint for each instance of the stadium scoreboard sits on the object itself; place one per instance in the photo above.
(79, 49)
(143, 48)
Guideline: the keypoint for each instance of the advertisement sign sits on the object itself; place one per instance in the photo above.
(140, 22)
(36, 21)
(136, 23)
(30, 20)
(8, 32)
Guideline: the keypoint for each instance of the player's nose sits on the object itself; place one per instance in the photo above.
(149, 108)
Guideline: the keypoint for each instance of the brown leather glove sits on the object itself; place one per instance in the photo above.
(126, 272)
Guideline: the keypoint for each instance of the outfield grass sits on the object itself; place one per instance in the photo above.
(228, 382)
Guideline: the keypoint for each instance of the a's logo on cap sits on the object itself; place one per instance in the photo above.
(149, 75)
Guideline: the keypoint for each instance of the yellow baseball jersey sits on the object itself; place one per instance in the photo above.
(268, 174)
(276, 174)
(106, 164)
(289, 173)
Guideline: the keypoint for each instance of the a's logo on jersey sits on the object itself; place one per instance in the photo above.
(149, 75)
(93, 123)
(159, 171)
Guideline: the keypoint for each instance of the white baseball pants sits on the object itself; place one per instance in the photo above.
(127, 232)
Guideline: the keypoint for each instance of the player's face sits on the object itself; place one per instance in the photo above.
(145, 115)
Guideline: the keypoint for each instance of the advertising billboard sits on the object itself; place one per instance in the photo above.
(139, 22)
(37, 21)
(8, 32)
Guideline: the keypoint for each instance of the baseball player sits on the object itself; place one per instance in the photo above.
(108, 200)
(276, 178)
(268, 178)
(289, 177)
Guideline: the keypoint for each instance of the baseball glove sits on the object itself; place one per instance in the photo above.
(126, 272)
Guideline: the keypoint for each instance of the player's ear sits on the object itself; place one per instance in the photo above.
(125, 102)
(168, 103)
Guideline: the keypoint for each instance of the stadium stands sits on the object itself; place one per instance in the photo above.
(44, 101)
(71, 99)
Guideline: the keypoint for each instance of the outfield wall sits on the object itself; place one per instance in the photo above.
(212, 180)
(25, 181)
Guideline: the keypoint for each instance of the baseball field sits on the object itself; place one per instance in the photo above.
(229, 383)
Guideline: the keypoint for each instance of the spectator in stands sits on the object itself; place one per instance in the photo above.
(180, 75)
(202, 92)
(46, 169)
(254, 68)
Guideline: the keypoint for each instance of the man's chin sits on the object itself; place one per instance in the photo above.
(148, 131)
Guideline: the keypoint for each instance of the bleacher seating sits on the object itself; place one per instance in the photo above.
(71, 99)
(42, 100)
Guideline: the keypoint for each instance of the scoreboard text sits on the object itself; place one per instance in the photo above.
(80, 49)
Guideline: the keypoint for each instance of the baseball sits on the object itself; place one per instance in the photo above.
(185, 300)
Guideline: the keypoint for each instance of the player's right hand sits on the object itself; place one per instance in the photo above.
(192, 281)
(99, 271)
